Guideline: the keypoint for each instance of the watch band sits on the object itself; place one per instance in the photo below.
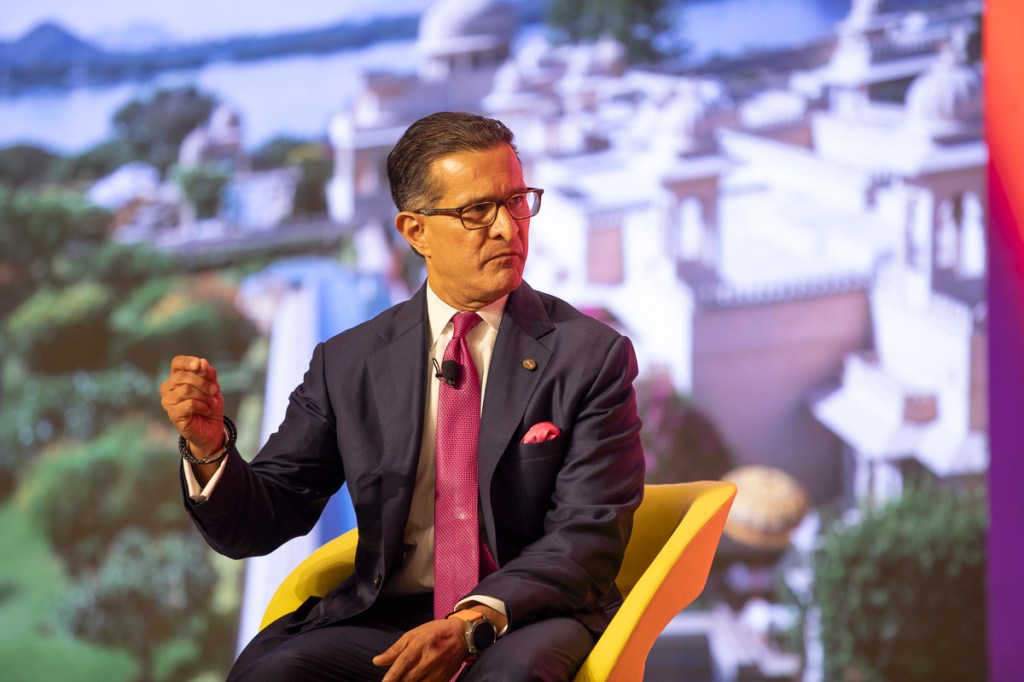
(479, 631)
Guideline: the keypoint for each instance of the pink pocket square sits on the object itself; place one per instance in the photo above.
(541, 432)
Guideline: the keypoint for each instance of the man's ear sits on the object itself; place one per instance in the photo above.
(410, 226)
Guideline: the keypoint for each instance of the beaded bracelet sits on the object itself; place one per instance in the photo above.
(230, 432)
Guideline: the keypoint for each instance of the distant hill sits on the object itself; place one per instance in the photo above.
(48, 44)
(51, 55)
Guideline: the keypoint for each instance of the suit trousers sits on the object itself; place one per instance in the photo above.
(551, 650)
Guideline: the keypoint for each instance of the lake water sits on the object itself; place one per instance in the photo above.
(297, 94)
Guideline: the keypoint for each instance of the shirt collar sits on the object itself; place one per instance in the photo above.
(440, 313)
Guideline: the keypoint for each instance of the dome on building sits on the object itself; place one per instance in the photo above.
(770, 504)
(455, 25)
(947, 97)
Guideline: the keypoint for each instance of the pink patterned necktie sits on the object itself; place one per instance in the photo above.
(456, 530)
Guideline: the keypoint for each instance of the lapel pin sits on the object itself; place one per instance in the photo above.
(529, 364)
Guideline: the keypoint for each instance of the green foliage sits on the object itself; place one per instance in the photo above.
(94, 163)
(679, 441)
(154, 128)
(35, 585)
(644, 27)
(61, 330)
(203, 186)
(274, 153)
(312, 160)
(902, 593)
(165, 316)
(84, 496)
(24, 164)
(148, 591)
(37, 225)
(37, 410)
(123, 266)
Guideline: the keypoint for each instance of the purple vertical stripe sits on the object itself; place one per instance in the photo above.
(1006, 423)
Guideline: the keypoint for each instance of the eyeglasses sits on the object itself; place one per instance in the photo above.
(482, 214)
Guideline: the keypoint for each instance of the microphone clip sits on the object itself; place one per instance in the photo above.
(449, 371)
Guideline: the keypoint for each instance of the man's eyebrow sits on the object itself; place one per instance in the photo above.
(483, 200)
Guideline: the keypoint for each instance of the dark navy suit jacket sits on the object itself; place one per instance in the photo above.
(557, 514)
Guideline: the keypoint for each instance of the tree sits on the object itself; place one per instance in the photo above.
(315, 168)
(39, 231)
(142, 578)
(24, 165)
(83, 496)
(164, 315)
(274, 153)
(38, 410)
(902, 592)
(155, 128)
(644, 27)
(63, 329)
(203, 185)
(94, 163)
(149, 591)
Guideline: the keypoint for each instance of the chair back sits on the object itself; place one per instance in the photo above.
(675, 535)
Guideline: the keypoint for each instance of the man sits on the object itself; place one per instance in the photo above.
(522, 405)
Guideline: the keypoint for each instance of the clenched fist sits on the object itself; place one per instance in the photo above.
(193, 402)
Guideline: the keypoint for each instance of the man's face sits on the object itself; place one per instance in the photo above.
(471, 268)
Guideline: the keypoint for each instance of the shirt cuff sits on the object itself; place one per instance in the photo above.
(197, 493)
(496, 604)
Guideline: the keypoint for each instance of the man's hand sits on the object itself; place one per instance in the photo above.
(193, 402)
(432, 651)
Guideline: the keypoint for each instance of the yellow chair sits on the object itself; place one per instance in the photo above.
(675, 536)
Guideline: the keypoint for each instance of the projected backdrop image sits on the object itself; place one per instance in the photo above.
(782, 204)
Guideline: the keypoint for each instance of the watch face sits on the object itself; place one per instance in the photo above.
(483, 634)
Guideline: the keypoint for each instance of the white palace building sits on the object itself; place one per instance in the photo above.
(803, 257)
(805, 260)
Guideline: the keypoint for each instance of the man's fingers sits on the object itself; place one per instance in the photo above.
(208, 370)
(405, 666)
(185, 363)
(186, 399)
(388, 656)
(431, 651)
(179, 379)
(200, 407)
(190, 363)
(194, 392)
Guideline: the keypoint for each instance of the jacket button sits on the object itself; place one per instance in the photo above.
(376, 580)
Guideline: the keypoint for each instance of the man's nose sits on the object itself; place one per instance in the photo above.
(504, 225)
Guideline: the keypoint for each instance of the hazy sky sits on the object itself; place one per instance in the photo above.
(190, 19)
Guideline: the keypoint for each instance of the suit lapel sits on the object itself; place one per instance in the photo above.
(398, 370)
(509, 384)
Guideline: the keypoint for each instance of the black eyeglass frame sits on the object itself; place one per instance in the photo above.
(497, 202)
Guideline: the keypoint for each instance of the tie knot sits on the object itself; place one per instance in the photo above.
(464, 322)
